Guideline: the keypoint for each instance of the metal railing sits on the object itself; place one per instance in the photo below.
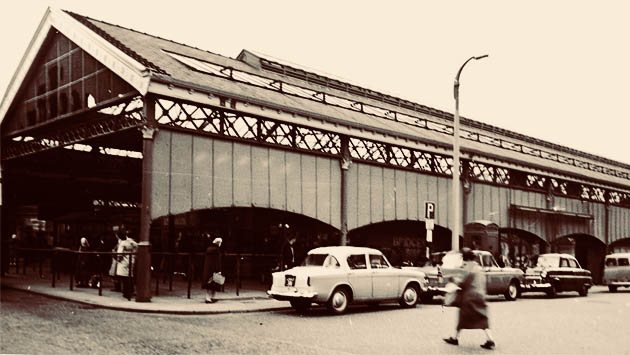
(165, 265)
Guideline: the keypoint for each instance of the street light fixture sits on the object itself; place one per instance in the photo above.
(455, 204)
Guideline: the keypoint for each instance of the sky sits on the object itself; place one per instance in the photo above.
(556, 70)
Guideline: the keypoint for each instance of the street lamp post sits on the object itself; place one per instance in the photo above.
(455, 204)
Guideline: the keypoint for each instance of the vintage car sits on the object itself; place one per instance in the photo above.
(339, 275)
(555, 273)
(617, 271)
(499, 280)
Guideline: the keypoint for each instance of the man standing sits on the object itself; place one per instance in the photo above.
(288, 254)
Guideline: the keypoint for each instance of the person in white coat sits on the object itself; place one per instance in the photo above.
(125, 264)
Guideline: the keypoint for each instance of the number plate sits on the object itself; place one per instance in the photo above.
(289, 280)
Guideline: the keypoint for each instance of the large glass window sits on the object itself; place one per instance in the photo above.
(611, 262)
(623, 262)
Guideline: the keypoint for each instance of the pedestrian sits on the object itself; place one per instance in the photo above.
(212, 265)
(115, 243)
(83, 268)
(288, 253)
(125, 264)
(473, 310)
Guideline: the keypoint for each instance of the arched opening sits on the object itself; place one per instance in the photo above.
(587, 249)
(519, 246)
(253, 240)
(402, 241)
(620, 246)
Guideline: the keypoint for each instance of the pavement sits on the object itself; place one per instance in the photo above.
(251, 297)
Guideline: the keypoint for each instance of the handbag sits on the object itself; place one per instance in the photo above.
(218, 278)
(453, 295)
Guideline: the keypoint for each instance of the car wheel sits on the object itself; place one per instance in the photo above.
(612, 288)
(338, 302)
(583, 291)
(300, 305)
(409, 296)
(552, 292)
(511, 294)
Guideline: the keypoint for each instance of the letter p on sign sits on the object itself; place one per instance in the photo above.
(429, 210)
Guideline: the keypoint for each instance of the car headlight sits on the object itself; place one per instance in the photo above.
(543, 274)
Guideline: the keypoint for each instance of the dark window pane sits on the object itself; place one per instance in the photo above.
(64, 71)
(76, 93)
(41, 109)
(90, 64)
(623, 262)
(104, 79)
(64, 101)
(52, 105)
(64, 44)
(77, 65)
(53, 80)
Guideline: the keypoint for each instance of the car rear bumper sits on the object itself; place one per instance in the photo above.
(617, 283)
(535, 286)
(292, 295)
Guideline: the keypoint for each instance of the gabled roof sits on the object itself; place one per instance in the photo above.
(252, 83)
(101, 48)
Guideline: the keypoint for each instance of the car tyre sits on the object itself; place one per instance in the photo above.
(552, 292)
(300, 305)
(338, 302)
(612, 288)
(410, 296)
(511, 294)
(583, 291)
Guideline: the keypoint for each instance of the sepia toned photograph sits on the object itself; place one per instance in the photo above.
(285, 177)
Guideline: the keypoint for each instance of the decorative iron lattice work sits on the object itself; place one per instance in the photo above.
(108, 120)
(237, 125)
(383, 153)
(488, 173)
(230, 73)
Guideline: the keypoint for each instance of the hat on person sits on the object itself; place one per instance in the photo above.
(84, 242)
(217, 241)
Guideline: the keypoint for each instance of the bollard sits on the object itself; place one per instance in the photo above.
(52, 267)
(238, 273)
(170, 272)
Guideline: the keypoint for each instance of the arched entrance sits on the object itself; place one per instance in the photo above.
(401, 241)
(254, 236)
(620, 246)
(519, 246)
(587, 249)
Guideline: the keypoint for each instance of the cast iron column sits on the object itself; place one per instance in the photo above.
(143, 280)
(346, 161)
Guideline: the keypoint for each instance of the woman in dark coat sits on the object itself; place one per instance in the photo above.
(212, 264)
(473, 311)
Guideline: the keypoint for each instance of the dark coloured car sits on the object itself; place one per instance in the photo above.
(555, 273)
(499, 280)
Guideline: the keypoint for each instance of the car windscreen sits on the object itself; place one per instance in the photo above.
(314, 260)
(548, 261)
(451, 261)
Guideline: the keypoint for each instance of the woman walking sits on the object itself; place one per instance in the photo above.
(473, 311)
(212, 265)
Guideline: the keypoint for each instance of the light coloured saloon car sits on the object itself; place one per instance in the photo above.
(617, 271)
(340, 275)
